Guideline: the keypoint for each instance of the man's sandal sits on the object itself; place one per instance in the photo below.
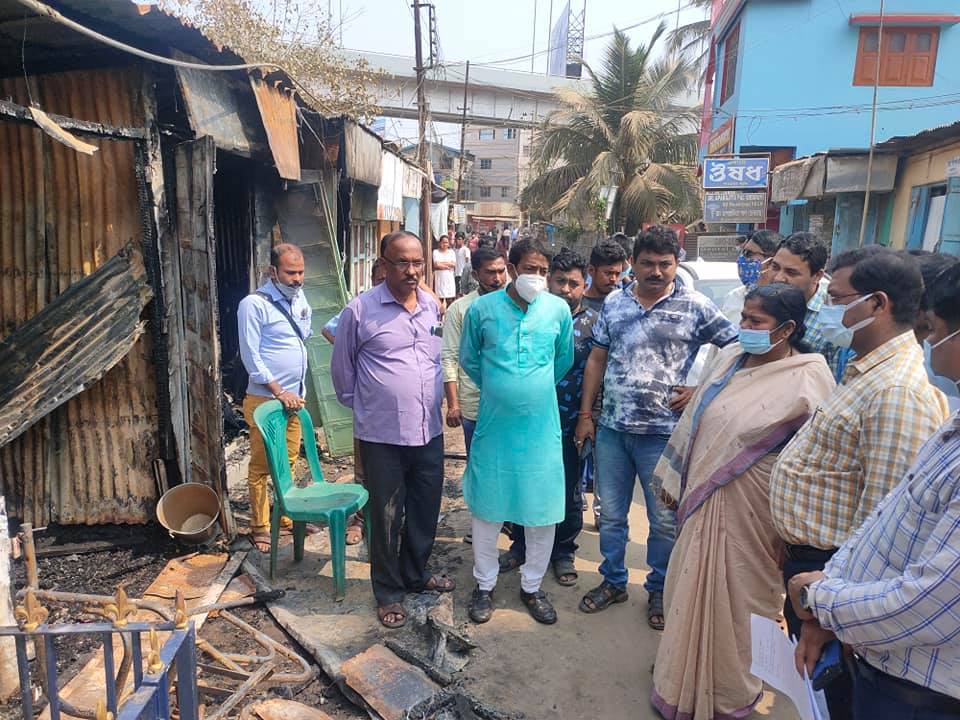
(541, 609)
(394, 611)
(260, 541)
(655, 610)
(602, 597)
(509, 561)
(354, 531)
(565, 572)
(440, 584)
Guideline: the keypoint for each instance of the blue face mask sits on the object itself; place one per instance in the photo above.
(757, 342)
(832, 327)
(748, 270)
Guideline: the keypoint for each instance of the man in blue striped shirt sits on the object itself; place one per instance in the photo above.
(892, 591)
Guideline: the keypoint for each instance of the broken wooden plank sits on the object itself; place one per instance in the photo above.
(277, 709)
(386, 683)
(86, 548)
(72, 342)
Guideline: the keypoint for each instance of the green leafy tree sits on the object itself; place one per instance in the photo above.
(628, 130)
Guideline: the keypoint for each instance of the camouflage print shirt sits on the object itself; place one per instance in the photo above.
(650, 351)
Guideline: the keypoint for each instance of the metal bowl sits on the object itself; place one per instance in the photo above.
(190, 513)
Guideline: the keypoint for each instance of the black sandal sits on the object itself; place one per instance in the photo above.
(565, 572)
(602, 597)
(541, 609)
(655, 609)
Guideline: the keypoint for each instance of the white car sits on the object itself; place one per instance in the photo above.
(715, 280)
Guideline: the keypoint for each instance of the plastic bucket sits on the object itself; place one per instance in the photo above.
(190, 512)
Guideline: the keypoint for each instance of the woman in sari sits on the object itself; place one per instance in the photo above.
(716, 470)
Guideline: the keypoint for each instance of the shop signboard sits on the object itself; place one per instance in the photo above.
(733, 206)
(735, 173)
(719, 248)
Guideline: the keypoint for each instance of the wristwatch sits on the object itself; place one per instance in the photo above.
(805, 598)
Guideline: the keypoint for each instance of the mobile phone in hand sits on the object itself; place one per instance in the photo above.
(829, 667)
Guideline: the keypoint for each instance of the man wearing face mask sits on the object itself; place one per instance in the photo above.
(931, 265)
(273, 323)
(753, 265)
(890, 591)
(463, 397)
(516, 345)
(860, 442)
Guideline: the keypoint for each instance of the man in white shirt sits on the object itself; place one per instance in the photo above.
(462, 253)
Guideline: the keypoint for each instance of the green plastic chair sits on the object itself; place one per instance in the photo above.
(331, 503)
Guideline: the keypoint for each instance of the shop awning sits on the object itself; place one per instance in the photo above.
(814, 177)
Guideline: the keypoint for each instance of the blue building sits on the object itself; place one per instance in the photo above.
(796, 77)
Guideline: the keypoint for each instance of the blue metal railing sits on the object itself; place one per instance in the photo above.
(150, 699)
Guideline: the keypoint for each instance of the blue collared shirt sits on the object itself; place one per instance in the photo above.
(650, 351)
(891, 590)
(269, 348)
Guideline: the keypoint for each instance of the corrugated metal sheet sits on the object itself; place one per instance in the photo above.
(72, 342)
(218, 106)
(278, 110)
(361, 154)
(90, 460)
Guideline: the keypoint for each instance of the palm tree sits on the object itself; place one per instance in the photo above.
(693, 39)
(627, 131)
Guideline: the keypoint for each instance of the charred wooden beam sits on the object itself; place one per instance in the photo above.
(18, 112)
(72, 342)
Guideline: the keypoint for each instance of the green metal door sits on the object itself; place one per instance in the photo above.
(307, 217)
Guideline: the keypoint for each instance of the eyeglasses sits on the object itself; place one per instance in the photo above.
(832, 299)
(404, 265)
(750, 255)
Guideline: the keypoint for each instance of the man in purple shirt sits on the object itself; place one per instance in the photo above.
(386, 366)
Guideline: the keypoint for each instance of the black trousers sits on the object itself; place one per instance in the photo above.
(800, 559)
(565, 540)
(405, 485)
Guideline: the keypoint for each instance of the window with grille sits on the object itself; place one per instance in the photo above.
(485, 192)
(510, 134)
(488, 134)
(907, 56)
(504, 192)
(486, 164)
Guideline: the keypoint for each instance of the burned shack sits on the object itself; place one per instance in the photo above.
(138, 203)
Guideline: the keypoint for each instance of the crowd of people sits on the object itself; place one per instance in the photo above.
(812, 473)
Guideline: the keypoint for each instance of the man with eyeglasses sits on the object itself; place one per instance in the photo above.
(753, 264)
(386, 367)
(860, 442)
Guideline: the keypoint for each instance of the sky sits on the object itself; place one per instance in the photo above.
(490, 31)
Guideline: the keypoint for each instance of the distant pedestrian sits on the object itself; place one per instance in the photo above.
(386, 367)
(273, 324)
(644, 344)
(517, 344)
(463, 262)
(444, 267)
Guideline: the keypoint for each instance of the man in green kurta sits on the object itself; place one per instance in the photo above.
(516, 345)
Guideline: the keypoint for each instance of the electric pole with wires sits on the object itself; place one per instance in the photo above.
(422, 110)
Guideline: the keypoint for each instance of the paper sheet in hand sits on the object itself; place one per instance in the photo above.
(773, 663)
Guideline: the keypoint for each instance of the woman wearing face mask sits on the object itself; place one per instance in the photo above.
(716, 470)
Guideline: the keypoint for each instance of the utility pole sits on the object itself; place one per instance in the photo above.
(533, 49)
(873, 129)
(425, 188)
(463, 134)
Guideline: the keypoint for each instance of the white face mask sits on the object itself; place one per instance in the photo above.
(530, 286)
(290, 292)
